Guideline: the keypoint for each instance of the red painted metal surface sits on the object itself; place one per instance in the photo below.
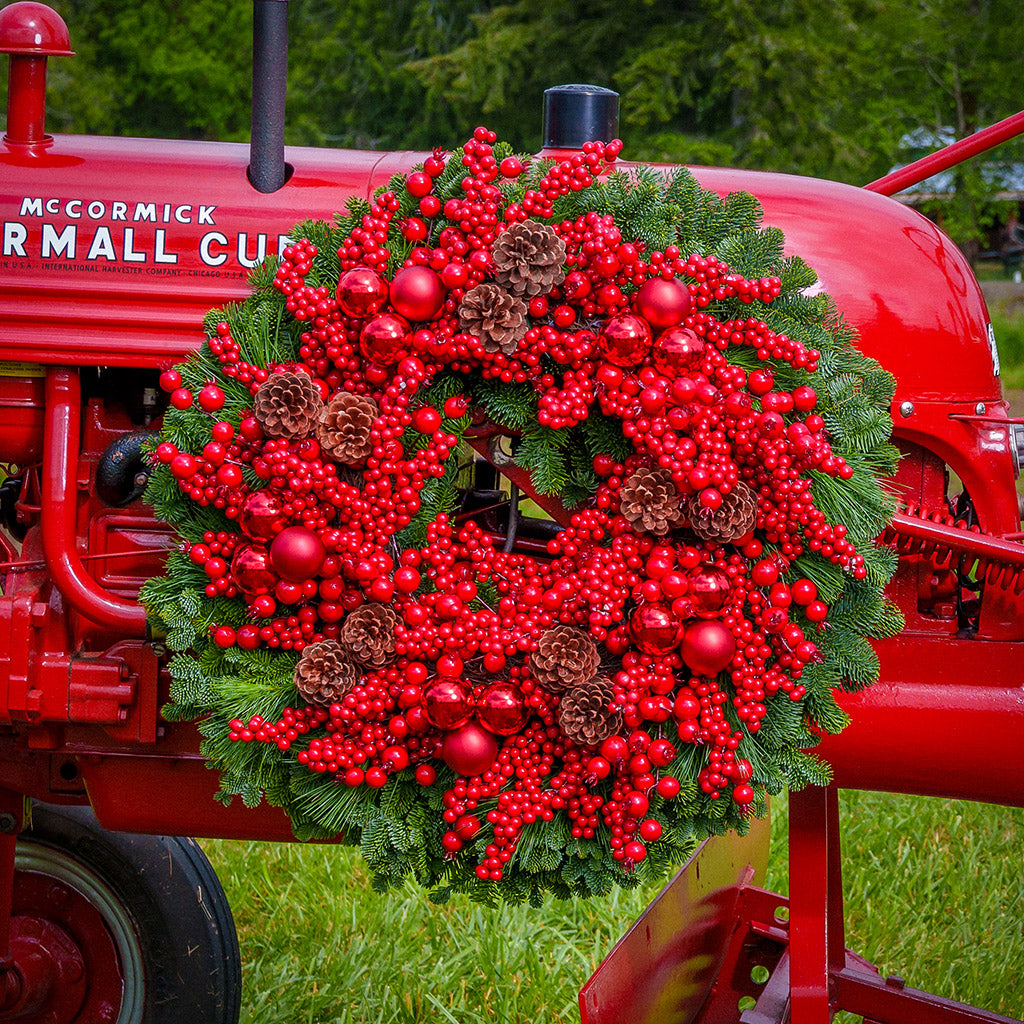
(951, 155)
(663, 969)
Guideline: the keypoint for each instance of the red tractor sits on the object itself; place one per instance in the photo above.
(111, 251)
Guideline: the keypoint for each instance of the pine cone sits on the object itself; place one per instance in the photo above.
(648, 500)
(584, 715)
(497, 318)
(324, 675)
(287, 405)
(368, 634)
(344, 427)
(732, 519)
(565, 657)
(528, 259)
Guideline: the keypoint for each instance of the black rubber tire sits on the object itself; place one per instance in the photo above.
(167, 901)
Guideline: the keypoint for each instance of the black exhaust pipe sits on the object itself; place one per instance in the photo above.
(267, 169)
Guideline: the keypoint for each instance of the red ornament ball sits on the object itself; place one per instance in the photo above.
(417, 293)
(502, 708)
(708, 647)
(446, 703)
(663, 302)
(297, 554)
(385, 339)
(709, 591)
(677, 350)
(260, 516)
(469, 750)
(361, 292)
(625, 340)
(251, 570)
(655, 629)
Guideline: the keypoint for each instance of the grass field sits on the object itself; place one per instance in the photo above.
(933, 889)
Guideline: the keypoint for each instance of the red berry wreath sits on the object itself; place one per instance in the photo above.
(484, 709)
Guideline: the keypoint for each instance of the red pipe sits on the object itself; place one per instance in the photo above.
(59, 501)
(943, 159)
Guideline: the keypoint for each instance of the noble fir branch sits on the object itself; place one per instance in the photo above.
(542, 453)
(603, 436)
(509, 405)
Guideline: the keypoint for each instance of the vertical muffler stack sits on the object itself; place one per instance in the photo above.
(267, 169)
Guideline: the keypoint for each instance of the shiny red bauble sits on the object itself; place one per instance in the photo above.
(470, 750)
(677, 350)
(709, 591)
(260, 516)
(417, 293)
(385, 339)
(446, 702)
(626, 340)
(251, 570)
(297, 553)
(655, 629)
(708, 647)
(362, 292)
(663, 303)
(502, 708)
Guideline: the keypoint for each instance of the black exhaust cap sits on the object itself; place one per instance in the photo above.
(574, 114)
(267, 170)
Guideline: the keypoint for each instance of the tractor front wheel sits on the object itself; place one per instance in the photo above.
(116, 928)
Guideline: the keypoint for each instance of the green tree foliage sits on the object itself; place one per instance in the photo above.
(821, 87)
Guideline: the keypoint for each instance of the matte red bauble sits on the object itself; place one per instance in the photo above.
(502, 708)
(469, 750)
(663, 303)
(446, 703)
(385, 339)
(417, 293)
(676, 350)
(709, 591)
(655, 629)
(361, 292)
(260, 515)
(626, 340)
(251, 571)
(297, 554)
(708, 647)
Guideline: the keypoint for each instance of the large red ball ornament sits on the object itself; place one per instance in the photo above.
(297, 554)
(502, 708)
(625, 340)
(470, 750)
(251, 570)
(361, 292)
(677, 350)
(446, 703)
(385, 339)
(417, 293)
(708, 647)
(709, 591)
(663, 303)
(655, 629)
(260, 516)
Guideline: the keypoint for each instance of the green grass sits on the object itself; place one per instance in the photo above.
(933, 890)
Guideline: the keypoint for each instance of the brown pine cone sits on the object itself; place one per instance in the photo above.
(493, 315)
(565, 657)
(368, 635)
(528, 259)
(732, 519)
(287, 405)
(344, 428)
(324, 675)
(584, 714)
(648, 500)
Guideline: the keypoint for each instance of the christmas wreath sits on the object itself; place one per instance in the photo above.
(481, 699)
